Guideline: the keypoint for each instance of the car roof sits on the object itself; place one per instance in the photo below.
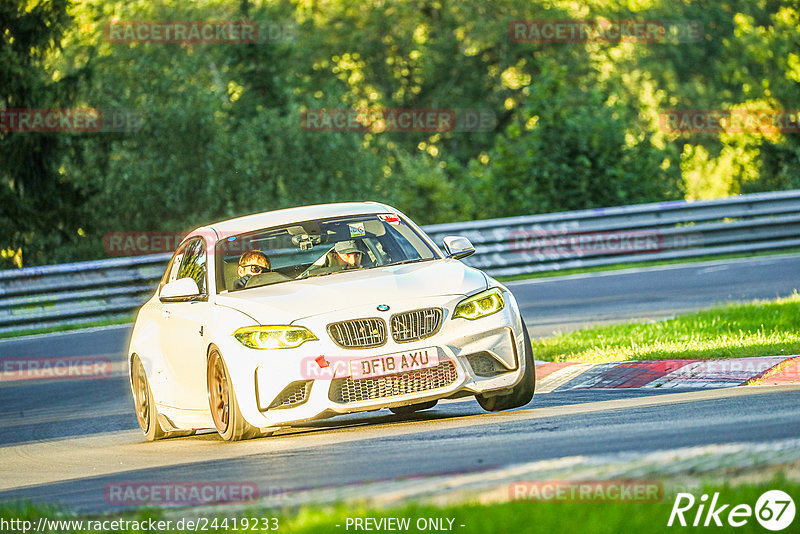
(286, 216)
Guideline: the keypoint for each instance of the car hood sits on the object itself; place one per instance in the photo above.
(285, 302)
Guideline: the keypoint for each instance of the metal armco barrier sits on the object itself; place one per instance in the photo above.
(106, 289)
(627, 234)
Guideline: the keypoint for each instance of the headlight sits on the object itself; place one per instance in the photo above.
(273, 337)
(480, 305)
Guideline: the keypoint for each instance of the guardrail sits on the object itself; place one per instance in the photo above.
(75, 293)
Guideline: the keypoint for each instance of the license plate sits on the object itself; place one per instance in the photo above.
(390, 364)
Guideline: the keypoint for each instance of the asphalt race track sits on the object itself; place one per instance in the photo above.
(64, 441)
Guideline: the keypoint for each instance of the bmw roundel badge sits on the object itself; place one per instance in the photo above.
(383, 307)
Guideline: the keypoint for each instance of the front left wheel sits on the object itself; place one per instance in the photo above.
(522, 393)
(225, 412)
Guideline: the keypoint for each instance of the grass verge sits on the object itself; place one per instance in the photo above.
(760, 328)
(514, 516)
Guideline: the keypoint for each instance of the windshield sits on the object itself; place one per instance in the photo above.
(317, 248)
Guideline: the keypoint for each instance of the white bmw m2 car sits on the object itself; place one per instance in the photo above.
(340, 308)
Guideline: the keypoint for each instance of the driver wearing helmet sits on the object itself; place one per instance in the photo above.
(345, 254)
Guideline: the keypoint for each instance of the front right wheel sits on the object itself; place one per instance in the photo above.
(225, 412)
(522, 393)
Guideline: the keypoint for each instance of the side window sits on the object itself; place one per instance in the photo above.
(171, 274)
(193, 264)
(190, 260)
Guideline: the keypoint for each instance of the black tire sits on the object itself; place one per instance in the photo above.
(522, 393)
(411, 408)
(225, 412)
(145, 406)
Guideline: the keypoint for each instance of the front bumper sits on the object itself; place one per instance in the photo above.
(280, 387)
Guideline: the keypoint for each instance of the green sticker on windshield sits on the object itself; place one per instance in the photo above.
(357, 229)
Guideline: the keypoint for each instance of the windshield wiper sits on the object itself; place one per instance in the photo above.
(407, 261)
(318, 275)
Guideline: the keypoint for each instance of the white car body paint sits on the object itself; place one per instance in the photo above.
(167, 335)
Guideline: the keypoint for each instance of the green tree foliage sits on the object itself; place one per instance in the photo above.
(569, 149)
(39, 204)
(221, 134)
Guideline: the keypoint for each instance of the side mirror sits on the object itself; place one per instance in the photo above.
(458, 247)
(180, 289)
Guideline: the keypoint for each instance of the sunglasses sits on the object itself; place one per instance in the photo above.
(255, 268)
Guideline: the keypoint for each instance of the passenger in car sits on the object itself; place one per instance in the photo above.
(250, 263)
(345, 254)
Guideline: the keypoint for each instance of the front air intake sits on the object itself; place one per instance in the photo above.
(358, 333)
(292, 395)
(417, 324)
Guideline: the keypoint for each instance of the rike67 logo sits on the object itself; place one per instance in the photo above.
(774, 510)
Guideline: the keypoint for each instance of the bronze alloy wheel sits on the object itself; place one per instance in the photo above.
(141, 396)
(222, 401)
(218, 393)
(145, 405)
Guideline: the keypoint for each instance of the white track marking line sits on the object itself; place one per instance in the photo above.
(558, 378)
(77, 331)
